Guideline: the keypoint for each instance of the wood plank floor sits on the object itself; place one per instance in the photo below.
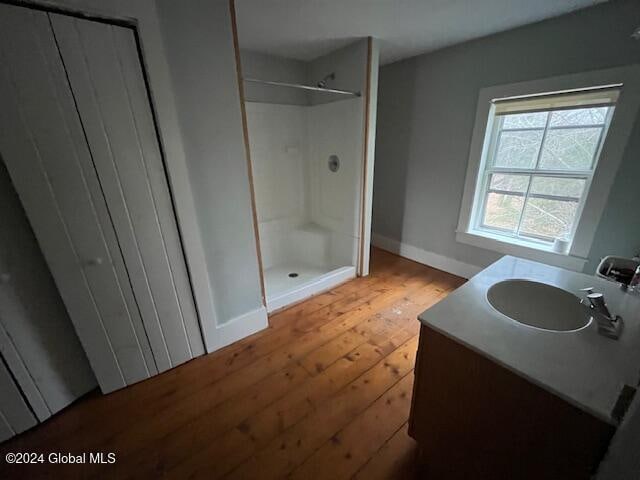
(323, 393)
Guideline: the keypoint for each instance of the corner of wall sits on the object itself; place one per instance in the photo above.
(431, 259)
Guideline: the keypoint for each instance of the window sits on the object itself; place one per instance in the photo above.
(543, 158)
(541, 153)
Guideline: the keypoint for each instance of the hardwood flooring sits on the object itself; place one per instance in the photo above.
(323, 393)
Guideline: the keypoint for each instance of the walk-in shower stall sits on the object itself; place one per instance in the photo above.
(306, 130)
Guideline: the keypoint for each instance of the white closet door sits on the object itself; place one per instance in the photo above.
(22, 376)
(108, 85)
(37, 338)
(15, 415)
(6, 432)
(43, 146)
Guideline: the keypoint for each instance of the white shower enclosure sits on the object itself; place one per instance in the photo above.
(308, 214)
(308, 162)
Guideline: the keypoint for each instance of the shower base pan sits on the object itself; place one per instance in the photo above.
(288, 284)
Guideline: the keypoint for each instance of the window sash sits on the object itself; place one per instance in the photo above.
(495, 128)
(497, 137)
(552, 127)
(543, 196)
(491, 169)
(541, 173)
(526, 195)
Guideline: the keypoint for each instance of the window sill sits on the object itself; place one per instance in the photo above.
(528, 251)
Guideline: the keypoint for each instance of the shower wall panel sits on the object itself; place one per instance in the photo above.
(278, 144)
(336, 129)
(307, 212)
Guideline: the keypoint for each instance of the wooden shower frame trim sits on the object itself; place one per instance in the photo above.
(365, 156)
(245, 134)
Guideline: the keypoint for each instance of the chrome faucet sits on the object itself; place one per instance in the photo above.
(609, 325)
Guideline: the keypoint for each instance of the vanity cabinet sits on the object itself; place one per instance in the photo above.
(475, 419)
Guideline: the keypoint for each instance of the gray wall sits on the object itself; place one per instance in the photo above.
(270, 67)
(349, 65)
(619, 229)
(426, 110)
(200, 54)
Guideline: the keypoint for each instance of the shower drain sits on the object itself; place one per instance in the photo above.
(293, 275)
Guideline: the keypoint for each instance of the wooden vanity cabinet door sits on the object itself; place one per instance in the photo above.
(475, 419)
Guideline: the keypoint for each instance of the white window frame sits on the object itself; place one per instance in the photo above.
(486, 170)
(611, 153)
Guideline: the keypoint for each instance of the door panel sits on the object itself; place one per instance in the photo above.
(15, 416)
(42, 144)
(19, 371)
(157, 178)
(6, 432)
(108, 86)
(37, 338)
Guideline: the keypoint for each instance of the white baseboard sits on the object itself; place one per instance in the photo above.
(240, 327)
(431, 259)
(325, 282)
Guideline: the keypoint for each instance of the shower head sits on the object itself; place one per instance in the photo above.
(323, 83)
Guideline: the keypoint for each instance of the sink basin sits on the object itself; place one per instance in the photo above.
(538, 305)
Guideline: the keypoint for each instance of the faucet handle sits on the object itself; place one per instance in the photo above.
(586, 292)
(586, 299)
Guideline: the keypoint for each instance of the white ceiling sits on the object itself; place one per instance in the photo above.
(306, 29)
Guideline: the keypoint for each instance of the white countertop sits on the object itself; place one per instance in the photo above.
(583, 367)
